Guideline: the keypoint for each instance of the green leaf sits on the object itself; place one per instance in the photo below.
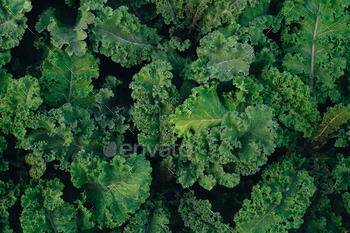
(5, 57)
(152, 217)
(66, 30)
(311, 46)
(119, 34)
(65, 134)
(332, 120)
(3, 146)
(44, 210)
(197, 215)
(18, 103)
(341, 172)
(220, 57)
(278, 202)
(67, 79)
(155, 99)
(8, 193)
(12, 22)
(202, 109)
(105, 110)
(346, 199)
(115, 189)
(292, 101)
(239, 146)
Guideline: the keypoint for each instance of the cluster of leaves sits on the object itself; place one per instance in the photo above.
(241, 109)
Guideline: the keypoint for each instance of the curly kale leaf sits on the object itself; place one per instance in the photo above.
(332, 120)
(152, 217)
(200, 16)
(67, 133)
(258, 26)
(341, 173)
(8, 193)
(44, 210)
(5, 80)
(155, 99)
(278, 202)
(115, 189)
(322, 220)
(105, 109)
(346, 200)
(202, 109)
(12, 22)
(66, 29)
(311, 46)
(119, 34)
(67, 79)
(291, 99)
(197, 215)
(5, 57)
(3, 146)
(220, 57)
(247, 93)
(221, 154)
(18, 101)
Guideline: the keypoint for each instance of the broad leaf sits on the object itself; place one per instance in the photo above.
(202, 109)
(311, 48)
(67, 79)
(65, 134)
(67, 29)
(119, 34)
(239, 146)
(12, 22)
(198, 216)
(220, 57)
(114, 189)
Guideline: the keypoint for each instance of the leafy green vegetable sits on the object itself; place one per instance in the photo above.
(312, 46)
(13, 22)
(245, 104)
(155, 99)
(199, 216)
(20, 99)
(127, 42)
(116, 189)
(65, 31)
(278, 202)
(65, 134)
(220, 57)
(240, 145)
(44, 210)
(7, 199)
(67, 79)
(151, 218)
(202, 109)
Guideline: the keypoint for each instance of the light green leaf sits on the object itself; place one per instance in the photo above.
(202, 109)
